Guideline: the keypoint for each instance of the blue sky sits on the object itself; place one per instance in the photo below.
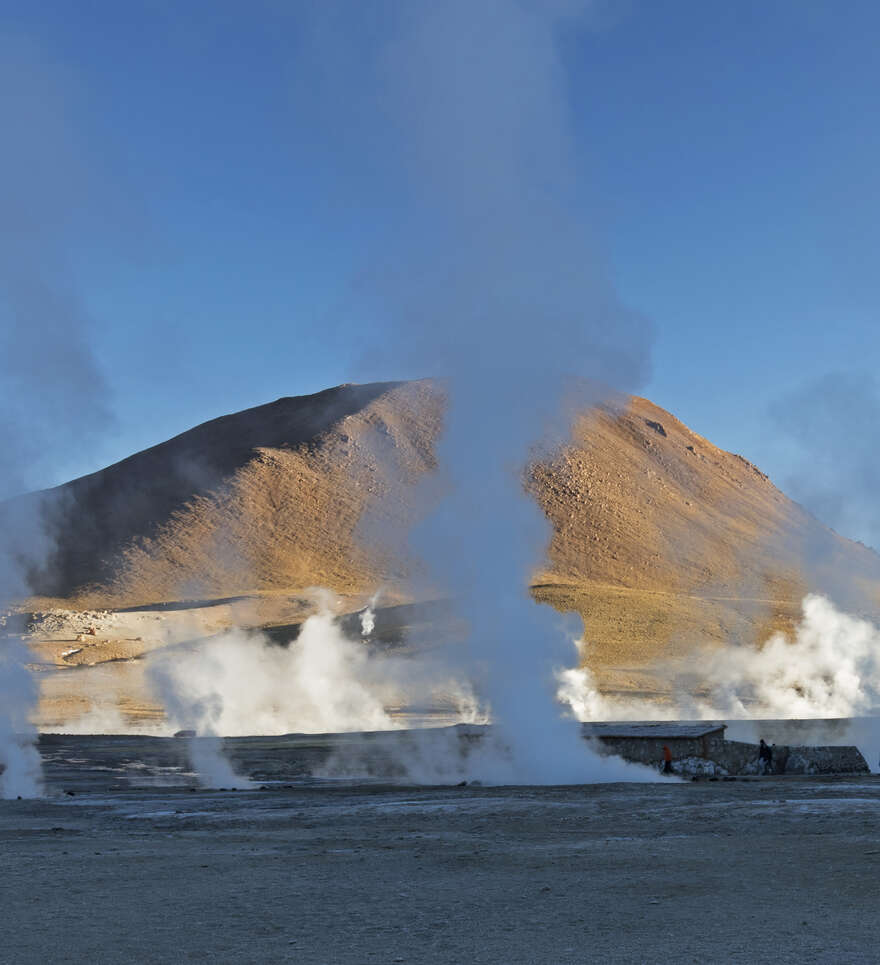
(204, 201)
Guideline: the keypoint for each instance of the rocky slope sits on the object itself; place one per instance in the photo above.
(662, 541)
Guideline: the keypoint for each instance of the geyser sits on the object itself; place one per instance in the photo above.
(494, 285)
(241, 683)
(19, 757)
(43, 343)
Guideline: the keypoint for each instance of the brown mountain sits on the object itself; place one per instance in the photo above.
(660, 539)
(664, 542)
(269, 498)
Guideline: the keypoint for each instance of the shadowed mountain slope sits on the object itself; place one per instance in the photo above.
(269, 497)
(660, 540)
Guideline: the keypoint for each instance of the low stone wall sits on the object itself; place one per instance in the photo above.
(736, 757)
(802, 759)
(649, 750)
(694, 756)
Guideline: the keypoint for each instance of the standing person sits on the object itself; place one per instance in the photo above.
(765, 755)
(667, 759)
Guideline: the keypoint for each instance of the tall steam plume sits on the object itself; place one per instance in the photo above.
(493, 284)
(51, 391)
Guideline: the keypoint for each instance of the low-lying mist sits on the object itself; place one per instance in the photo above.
(242, 683)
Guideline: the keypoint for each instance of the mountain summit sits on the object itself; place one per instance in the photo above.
(659, 539)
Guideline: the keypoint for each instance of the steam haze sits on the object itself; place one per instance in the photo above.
(829, 426)
(52, 392)
(507, 300)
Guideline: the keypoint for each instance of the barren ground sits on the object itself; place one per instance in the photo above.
(135, 869)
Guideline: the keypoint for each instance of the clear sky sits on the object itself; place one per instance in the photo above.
(180, 173)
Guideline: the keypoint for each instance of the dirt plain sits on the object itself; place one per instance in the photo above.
(140, 865)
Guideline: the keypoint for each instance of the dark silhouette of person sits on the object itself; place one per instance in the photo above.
(765, 754)
(667, 760)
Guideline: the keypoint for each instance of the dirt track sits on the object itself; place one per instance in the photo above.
(781, 870)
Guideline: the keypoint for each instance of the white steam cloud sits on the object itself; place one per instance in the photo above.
(830, 668)
(52, 391)
(20, 760)
(495, 286)
(368, 617)
(240, 683)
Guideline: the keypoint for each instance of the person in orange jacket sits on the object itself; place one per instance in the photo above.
(667, 759)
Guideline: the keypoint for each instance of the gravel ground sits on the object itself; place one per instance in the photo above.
(781, 870)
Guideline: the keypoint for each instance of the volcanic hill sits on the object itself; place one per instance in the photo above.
(659, 539)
